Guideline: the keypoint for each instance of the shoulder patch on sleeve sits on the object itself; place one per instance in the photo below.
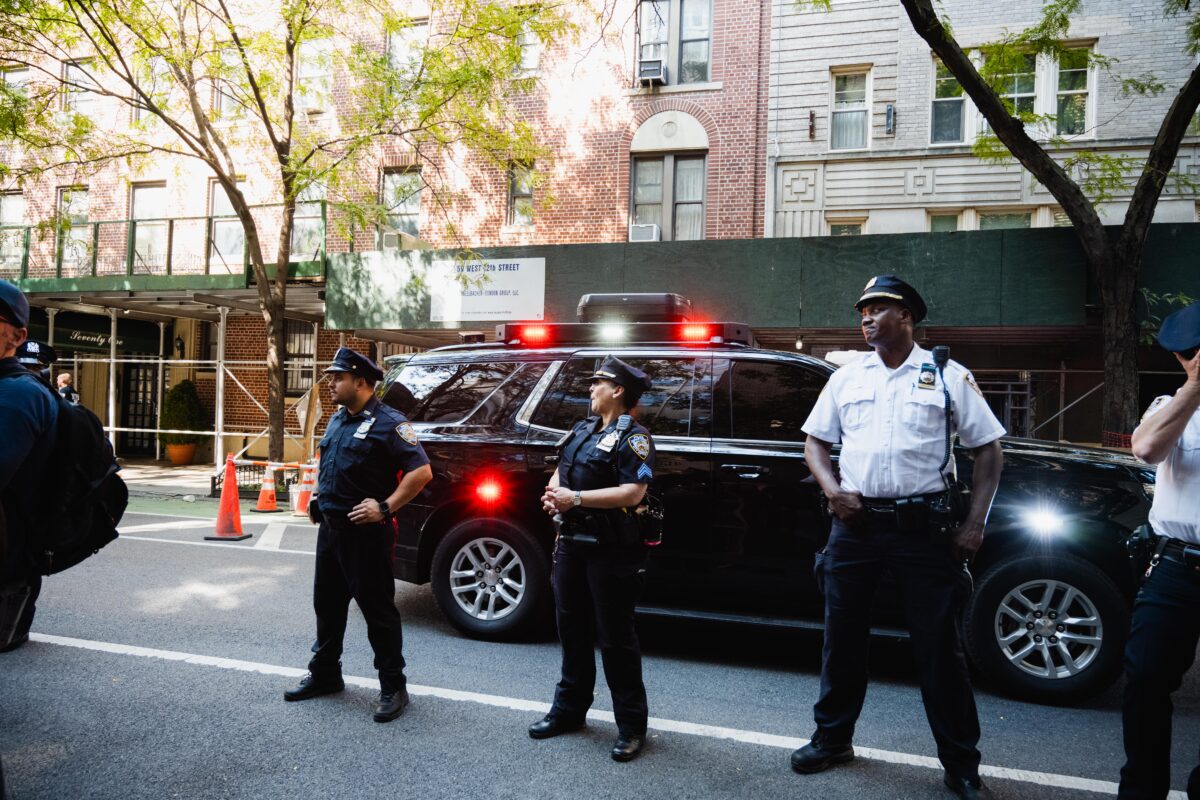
(406, 432)
(1158, 403)
(640, 444)
(969, 380)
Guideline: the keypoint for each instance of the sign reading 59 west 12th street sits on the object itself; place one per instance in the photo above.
(480, 290)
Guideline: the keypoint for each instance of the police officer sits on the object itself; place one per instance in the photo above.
(366, 446)
(28, 420)
(67, 389)
(888, 412)
(1166, 616)
(37, 357)
(599, 560)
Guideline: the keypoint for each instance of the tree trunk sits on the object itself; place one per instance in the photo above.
(276, 355)
(1117, 279)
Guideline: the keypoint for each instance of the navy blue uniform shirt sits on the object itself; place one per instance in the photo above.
(587, 464)
(28, 422)
(363, 454)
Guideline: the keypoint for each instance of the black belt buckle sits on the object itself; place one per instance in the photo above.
(912, 514)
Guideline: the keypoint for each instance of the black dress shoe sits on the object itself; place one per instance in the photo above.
(312, 686)
(627, 747)
(391, 705)
(817, 756)
(550, 725)
(966, 788)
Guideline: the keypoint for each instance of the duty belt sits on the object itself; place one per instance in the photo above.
(1182, 553)
(887, 505)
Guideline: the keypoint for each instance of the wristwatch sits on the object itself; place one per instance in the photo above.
(383, 509)
(578, 499)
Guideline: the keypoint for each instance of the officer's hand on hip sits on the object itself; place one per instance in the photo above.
(847, 506)
(561, 498)
(966, 541)
(365, 512)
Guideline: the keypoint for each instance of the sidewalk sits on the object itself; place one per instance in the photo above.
(146, 477)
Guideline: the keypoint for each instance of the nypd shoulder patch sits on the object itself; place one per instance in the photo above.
(645, 472)
(970, 381)
(405, 429)
(1158, 403)
(640, 444)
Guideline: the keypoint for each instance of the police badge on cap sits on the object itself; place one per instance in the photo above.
(889, 287)
(347, 360)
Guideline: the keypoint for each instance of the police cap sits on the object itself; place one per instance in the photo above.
(347, 360)
(889, 287)
(634, 381)
(14, 308)
(1180, 331)
(33, 353)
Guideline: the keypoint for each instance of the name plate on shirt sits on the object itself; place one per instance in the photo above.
(606, 444)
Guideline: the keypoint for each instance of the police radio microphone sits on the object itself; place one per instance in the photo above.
(941, 355)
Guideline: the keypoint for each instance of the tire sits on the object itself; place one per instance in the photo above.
(1049, 628)
(514, 599)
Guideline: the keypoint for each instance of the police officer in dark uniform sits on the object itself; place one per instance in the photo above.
(37, 357)
(365, 449)
(1166, 616)
(895, 411)
(606, 466)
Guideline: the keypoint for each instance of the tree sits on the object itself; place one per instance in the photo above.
(1082, 179)
(219, 82)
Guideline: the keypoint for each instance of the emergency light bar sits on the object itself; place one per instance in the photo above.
(543, 334)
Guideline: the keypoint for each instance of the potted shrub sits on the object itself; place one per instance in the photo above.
(182, 411)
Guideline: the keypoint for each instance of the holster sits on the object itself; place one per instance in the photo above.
(948, 511)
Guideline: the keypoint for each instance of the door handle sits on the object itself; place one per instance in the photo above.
(748, 472)
(550, 459)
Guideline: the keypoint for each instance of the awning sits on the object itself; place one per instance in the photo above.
(88, 332)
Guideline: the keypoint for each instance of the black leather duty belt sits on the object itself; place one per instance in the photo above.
(1182, 553)
(887, 505)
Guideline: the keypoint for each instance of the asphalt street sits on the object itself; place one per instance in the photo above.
(157, 671)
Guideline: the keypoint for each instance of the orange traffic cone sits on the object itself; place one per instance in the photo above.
(229, 518)
(308, 482)
(266, 495)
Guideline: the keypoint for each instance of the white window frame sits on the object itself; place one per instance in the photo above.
(385, 199)
(73, 243)
(230, 262)
(75, 98)
(956, 214)
(402, 42)
(150, 237)
(668, 199)
(673, 55)
(971, 117)
(512, 175)
(307, 222)
(12, 230)
(1051, 101)
(531, 52)
(834, 73)
(225, 104)
(860, 220)
(314, 76)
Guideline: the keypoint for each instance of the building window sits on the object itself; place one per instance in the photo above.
(314, 75)
(520, 194)
(847, 227)
(308, 224)
(146, 206)
(1017, 89)
(1071, 108)
(78, 87)
(1000, 220)
(226, 104)
(301, 347)
(943, 223)
(668, 191)
(849, 114)
(12, 231)
(157, 84)
(685, 47)
(404, 46)
(74, 232)
(531, 50)
(226, 235)
(401, 197)
(949, 104)
(15, 78)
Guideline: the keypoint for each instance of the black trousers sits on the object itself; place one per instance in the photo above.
(355, 561)
(931, 590)
(595, 591)
(1162, 644)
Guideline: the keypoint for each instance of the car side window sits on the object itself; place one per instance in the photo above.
(765, 401)
(445, 392)
(665, 409)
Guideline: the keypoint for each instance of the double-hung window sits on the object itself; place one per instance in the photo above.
(520, 194)
(78, 87)
(74, 232)
(404, 46)
(531, 50)
(679, 34)
(12, 232)
(314, 75)
(668, 191)
(226, 235)
(147, 204)
(949, 116)
(849, 114)
(401, 196)
(1018, 88)
(1071, 100)
(308, 225)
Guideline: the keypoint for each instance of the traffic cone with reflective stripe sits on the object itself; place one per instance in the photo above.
(266, 495)
(308, 482)
(229, 517)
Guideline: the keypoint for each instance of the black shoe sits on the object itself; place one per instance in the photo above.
(817, 756)
(16, 642)
(627, 747)
(966, 788)
(391, 705)
(550, 725)
(312, 686)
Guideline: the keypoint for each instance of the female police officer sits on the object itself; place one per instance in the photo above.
(607, 462)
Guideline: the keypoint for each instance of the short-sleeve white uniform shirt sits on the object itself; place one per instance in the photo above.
(1176, 508)
(892, 424)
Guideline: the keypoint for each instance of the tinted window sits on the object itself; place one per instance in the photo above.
(445, 392)
(765, 401)
(504, 402)
(665, 409)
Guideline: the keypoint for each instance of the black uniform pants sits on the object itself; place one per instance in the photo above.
(1162, 644)
(930, 591)
(355, 561)
(595, 591)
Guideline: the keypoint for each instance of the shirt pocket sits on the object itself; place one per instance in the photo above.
(924, 411)
(857, 403)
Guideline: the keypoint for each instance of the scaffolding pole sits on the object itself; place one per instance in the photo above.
(219, 442)
(162, 336)
(112, 378)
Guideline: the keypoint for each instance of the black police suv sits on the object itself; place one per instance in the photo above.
(1054, 585)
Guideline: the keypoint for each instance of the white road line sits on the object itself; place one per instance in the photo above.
(165, 526)
(271, 537)
(668, 725)
(248, 547)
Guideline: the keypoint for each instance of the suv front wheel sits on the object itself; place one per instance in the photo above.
(1048, 627)
(491, 579)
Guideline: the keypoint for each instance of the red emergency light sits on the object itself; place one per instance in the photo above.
(488, 490)
(533, 334)
(695, 333)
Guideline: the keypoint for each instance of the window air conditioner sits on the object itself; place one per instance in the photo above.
(391, 241)
(652, 72)
(644, 233)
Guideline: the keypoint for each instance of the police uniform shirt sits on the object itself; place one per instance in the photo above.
(1175, 511)
(587, 459)
(363, 454)
(28, 418)
(892, 423)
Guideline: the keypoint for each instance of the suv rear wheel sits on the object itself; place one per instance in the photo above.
(1051, 628)
(491, 579)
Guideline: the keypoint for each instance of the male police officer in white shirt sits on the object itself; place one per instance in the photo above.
(888, 410)
(1166, 616)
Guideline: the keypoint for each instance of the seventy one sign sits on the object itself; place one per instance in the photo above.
(487, 289)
